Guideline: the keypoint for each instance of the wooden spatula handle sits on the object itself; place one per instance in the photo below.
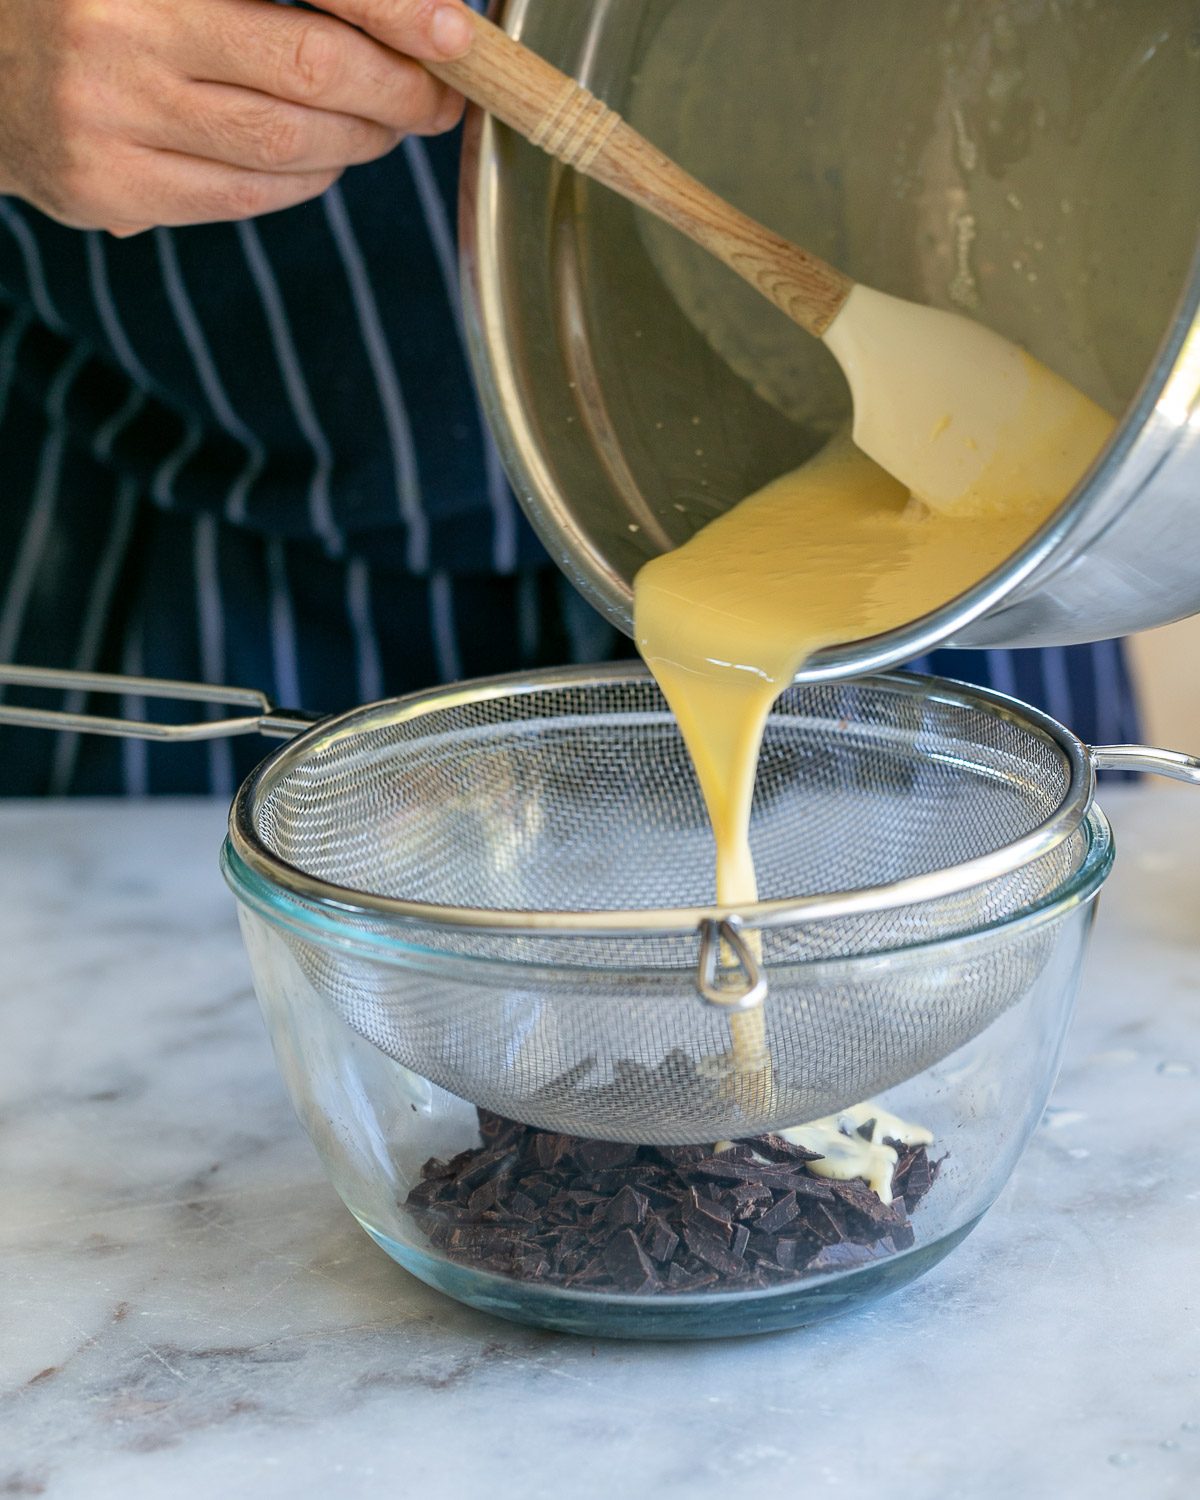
(570, 123)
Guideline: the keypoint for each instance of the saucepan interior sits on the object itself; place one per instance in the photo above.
(1034, 166)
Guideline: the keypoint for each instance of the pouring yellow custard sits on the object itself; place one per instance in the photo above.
(834, 552)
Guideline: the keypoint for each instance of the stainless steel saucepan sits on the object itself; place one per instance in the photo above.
(1037, 167)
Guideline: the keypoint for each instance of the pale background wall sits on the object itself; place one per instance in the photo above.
(1167, 668)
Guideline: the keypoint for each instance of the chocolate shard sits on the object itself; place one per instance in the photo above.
(492, 1125)
(682, 1156)
(728, 1171)
(711, 1249)
(902, 1237)
(701, 1203)
(627, 1207)
(423, 1193)
(484, 1196)
(807, 1186)
(660, 1240)
(485, 1165)
(825, 1223)
(601, 1156)
(788, 1252)
(777, 1217)
(880, 1217)
(628, 1264)
(840, 1257)
(540, 1188)
(775, 1148)
(550, 1149)
(913, 1176)
(773, 1174)
(435, 1170)
(695, 1213)
(750, 1199)
(866, 1129)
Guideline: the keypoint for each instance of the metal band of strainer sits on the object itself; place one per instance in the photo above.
(666, 921)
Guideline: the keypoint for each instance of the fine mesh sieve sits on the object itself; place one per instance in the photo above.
(507, 886)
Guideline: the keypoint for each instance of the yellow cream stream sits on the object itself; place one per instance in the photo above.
(834, 552)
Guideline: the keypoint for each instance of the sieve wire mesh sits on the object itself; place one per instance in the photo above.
(577, 795)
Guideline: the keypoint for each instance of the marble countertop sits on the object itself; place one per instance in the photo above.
(186, 1309)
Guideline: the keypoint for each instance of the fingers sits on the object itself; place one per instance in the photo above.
(306, 58)
(167, 188)
(246, 129)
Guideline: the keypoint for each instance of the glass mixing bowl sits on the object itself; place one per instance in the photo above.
(382, 1019)
(376, 1123)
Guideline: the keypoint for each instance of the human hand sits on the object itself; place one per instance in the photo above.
(124, 114)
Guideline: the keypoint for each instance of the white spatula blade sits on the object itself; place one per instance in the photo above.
(958, 414)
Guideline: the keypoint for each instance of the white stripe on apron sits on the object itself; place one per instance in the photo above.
(445, 636)
(41, 512)
(135, 759)
(39, 292)
(504, 543)
(211, 622)
(106, 309)
(319, 503)
(284, 653)
(210, 381)
(95, 619)
(368, 668)
(387, 382)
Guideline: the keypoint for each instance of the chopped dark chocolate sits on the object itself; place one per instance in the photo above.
(839, 1257)
(775, 1148)
(607, 1216)
(485, 1164)
(709, 1207)
(602, 1156)
(660, 1240)
(776, 1218)
(550, 1149)
(627, 1207)
(628, 1264)
(785, 1251)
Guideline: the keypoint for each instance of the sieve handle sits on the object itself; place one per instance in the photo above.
(741, 986)
(278, 723)
(1172, 763)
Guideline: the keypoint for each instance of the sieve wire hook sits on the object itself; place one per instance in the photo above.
(741, 986)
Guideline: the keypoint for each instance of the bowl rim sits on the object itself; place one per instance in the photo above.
(287, 880)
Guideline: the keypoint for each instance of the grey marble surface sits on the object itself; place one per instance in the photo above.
(187, 1310)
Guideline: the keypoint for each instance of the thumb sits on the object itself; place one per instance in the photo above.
(429, 30)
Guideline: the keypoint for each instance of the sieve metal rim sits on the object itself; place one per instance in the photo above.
(663, 921)
(257, 895)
